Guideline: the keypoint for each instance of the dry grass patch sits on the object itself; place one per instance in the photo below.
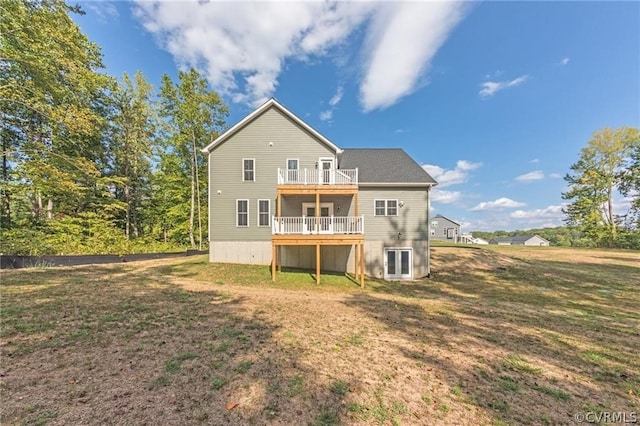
(498, 335)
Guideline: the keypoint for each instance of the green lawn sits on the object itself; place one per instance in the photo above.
(498, 335)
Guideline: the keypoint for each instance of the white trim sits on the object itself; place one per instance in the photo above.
(386, 207)
(398, 184)
(253, 170)
(398, 276)
(270, 103)
(248, 222)
(268, 225)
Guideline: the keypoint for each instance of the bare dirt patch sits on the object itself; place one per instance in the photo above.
(499, 337)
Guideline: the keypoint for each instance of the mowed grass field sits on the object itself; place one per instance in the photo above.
(499, 335)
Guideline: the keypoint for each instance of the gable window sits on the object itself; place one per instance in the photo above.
(242, 213)
(264, 212)
(386, 208)
(248, 169)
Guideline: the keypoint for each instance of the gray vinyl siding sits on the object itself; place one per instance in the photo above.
(411, 220)
(287, 139)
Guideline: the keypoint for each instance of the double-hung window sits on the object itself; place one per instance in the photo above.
(386, 208)
(248, 170)
(242, 213)
(264, 212)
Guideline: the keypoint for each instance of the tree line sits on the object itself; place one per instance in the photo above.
(97, 164)
(92, 163)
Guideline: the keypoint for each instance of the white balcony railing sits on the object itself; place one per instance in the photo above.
(318, 177)
(331, 225)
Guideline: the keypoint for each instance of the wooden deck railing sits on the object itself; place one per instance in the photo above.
(318, 177)
(331, 225)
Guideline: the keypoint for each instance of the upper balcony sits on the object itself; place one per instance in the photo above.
(320, 181)
(318, 177)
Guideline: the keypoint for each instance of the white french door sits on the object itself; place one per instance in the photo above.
(398, 263)
(326, 171)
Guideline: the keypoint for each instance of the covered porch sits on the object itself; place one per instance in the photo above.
(317, 241)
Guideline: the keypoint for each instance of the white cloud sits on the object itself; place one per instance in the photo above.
(403, 38)
(531, 176)
(456, 176)
(550, 212)
(467, 165)
(499, 204)
(445, 197)
(337, 97)
(326, 115)
(242, 47)
(534, 160)
(105, 10)
(489, 88)
(565, 61)
(555, 175)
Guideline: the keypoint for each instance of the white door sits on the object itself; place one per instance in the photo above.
(326, 171)
(325, 225)
(397, 263)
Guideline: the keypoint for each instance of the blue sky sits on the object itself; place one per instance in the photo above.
(494, 99)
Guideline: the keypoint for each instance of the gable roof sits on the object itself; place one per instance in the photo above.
(271, 103)
(446, 218)
(517, 239)
(384, 166)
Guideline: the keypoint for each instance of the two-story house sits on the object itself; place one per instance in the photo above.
(445, 229)
(281, 193)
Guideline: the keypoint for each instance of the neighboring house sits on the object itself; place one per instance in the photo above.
(444, 229)
(468, 238)
(280, 193)
(520, 240)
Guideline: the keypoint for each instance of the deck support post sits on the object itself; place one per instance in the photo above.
(317, 263)
(273, 262)
(362, 265)
(356, 263)
(317, 212)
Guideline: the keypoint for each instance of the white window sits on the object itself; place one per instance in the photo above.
(434, 223)
(433, 232)
(385, 208)
(242, 213)
(248, 169)
(264, 212)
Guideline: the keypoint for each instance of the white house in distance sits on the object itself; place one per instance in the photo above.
(282, 194)
(468, 238)
(520, 240)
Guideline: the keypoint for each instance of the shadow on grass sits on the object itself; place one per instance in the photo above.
(531, 342)
(91, 345)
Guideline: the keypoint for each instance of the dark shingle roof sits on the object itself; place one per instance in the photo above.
(384, 166)
(452, 221)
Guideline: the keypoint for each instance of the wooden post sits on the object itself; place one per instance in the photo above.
(279, 258)
(273, 262)
(356, 206)
(317, 212)
(278, 205)
(356, 261)
(362, 265)
(317, 263)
